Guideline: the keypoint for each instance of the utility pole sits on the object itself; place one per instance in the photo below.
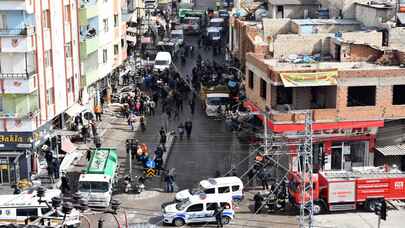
(305, 168)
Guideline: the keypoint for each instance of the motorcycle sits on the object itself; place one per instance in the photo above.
(137, 187)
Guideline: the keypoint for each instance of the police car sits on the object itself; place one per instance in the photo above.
(197, 209)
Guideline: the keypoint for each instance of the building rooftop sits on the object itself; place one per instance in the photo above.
(377, 5)
(325, 22)
(294, 2)
(279, 65)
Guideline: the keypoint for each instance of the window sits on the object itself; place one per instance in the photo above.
(115, 20)
(116, 49)
(45, 210)
(209, 191)
(225, 205)
(105, 56)
(48, 58)
(49, 95)
(235, 188)
(195, 208)
(398, 95)
(361, 96)
(211, 206)
(105, 23)
(284, 95)
(67, 13)
(46, 22)
(122, 43)
(251, 79)
(1, 103)
(27, 212)
(263, 88)
(68, 50)
(70, 84)
(223, 189)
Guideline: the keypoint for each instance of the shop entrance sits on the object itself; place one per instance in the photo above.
(6, 170)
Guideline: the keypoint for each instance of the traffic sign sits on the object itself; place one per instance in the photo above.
(151, 164)
(150, 172)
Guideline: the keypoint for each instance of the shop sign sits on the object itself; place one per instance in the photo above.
(345, 132)
(9, 140)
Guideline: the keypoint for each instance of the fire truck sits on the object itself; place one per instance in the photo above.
(349, 190)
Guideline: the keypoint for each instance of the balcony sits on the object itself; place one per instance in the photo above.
(20, 106)
(17, 5)
(87, 11)
(17, 75)
(20, 44)
(20, 86)
(89, 46)
(26, 31)
(18, 66)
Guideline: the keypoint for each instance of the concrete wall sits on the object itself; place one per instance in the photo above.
(347, 7)
(286, 44)
(273, 27)
(370, 16)
(372, 37)
(396, 37)
(293, 11)
(323, 28)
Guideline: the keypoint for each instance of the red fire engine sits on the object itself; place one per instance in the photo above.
(347, 190)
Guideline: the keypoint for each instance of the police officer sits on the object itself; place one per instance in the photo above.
(218, 215)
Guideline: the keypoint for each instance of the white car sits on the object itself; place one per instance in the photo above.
(163, 61)
(197, 209)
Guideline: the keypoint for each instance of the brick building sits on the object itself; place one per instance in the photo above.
(351, 86)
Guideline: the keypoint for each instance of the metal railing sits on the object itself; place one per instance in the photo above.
(14, 75)
(17, 31)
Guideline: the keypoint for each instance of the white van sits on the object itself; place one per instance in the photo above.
(217, 22)
(197, 209)
(16, 209)
(213, 33)
(231, 187)
(151, 4)
(163, 61)
(177, 36)
(214, 102)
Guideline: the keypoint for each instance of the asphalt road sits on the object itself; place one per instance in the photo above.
(212, 147)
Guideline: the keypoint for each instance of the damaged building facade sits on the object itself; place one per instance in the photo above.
(340, 71)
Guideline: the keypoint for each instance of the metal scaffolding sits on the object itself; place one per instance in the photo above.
(305, 168)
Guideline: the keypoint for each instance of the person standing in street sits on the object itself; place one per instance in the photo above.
(93, 128)
(163, 138)
(98, 111)
(192, 106)
(188, 125)
(218, 215)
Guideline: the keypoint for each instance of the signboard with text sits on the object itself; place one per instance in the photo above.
(13, 140)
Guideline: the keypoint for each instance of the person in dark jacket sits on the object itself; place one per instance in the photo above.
(218, 212)
(188, 125)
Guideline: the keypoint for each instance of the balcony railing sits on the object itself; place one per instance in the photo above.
(17, 31)
(11, 115)
(13, 75)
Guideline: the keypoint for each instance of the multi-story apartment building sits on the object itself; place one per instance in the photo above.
(102, 45)
(39, 76)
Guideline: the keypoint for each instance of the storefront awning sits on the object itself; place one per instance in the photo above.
(75, 109)
(392, 150)
(67, 145)
(327, 78)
